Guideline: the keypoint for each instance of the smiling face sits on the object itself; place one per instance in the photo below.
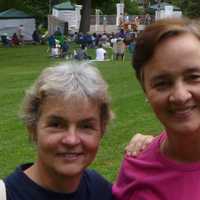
(172, 83)
(67, 136)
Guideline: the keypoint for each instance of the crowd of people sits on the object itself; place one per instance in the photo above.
(117, 42)
(17, 38)
(59, 45)
(7, 41)
(127, 24)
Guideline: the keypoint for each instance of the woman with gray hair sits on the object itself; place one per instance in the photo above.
(66, 113)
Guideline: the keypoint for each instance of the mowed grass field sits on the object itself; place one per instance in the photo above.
(18, 69)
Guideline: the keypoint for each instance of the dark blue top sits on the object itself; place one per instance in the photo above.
(92, 187)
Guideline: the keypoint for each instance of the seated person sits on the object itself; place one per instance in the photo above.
(54, 46)
(15, 39)
(5, 40)
(100, 53)
(64, 48)
(52, 41)
(81, 53)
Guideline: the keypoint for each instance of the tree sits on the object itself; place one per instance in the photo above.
(85, 18)
(190, 8)
(131, 7)
(193, 9)
(38, 8)
(7, 4)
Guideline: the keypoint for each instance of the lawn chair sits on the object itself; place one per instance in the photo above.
(5, 41)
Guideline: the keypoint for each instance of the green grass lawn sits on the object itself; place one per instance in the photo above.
(20, 66)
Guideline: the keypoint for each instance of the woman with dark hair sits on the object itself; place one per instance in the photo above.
(167, 65)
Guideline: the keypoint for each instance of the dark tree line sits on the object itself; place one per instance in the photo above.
(190, 8)
(41, 8)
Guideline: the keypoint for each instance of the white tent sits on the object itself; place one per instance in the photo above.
(10, 21)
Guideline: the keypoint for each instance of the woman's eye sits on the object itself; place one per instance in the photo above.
(55, 124)
(161, 85)
(88, 126)
(194, 77)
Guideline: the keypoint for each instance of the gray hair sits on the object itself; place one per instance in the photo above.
(73, 81)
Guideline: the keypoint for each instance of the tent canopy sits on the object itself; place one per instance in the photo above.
(14, 14)
(161, 6)
(64, 6)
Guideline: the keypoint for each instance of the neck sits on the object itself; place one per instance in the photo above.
(183, 148)
(49, 180)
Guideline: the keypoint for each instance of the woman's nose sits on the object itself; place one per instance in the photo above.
(71, 137)
(180, 94)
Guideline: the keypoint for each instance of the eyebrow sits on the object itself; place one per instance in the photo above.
(61, 119)
(165, 75)
(160, 77)
(192, 69)
(90, 119)
(55, 117)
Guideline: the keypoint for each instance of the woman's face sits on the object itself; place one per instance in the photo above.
(172, 83)
(67, 136)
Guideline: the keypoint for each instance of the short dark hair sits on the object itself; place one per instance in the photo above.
(154, 34)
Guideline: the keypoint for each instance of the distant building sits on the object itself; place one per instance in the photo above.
(12, 19)
(65, 16)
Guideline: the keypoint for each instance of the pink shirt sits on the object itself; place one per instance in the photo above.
(153, 176)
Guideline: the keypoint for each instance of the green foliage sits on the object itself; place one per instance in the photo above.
(103, 6)
(7, 4)
(190, 8)
(39, 9)
(131, 7)
(193, 9)
(18, 69)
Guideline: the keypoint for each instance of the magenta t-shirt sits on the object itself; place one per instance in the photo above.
(153, 176)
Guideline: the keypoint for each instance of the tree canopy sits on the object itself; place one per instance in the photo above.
(190, 8)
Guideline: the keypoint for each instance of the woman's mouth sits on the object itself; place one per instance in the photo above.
(182, 112)
(70, 156)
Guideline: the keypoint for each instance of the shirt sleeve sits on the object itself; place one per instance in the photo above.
(122, 188)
